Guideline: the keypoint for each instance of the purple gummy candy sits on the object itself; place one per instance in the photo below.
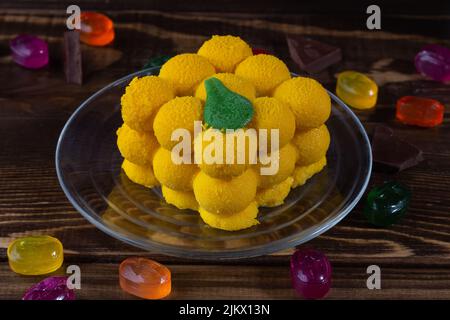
(310, 273)
(434, 61)
(29, 51)
(52, 288)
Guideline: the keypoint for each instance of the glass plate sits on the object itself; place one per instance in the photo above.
(88, 165)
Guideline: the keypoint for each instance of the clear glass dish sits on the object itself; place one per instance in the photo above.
(88, 165)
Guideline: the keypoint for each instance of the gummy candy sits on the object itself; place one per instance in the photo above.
(357, 90)
(157, 61)
(29, 51)
(96, 29)
(419, 111)
(35, 255)
(144, 278)
(434, 61)
(225, 109)
(52, 288)
(387, 204)
(310, 273)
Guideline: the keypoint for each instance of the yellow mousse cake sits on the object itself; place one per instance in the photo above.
(255, 132)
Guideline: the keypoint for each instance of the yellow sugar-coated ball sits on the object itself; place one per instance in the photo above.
(178, 113)
(180, 199)
(264, 71)
(286, 165)
(311, 144)
(211, 148)
(186, 71)
(308, 100)
(175, 176)
(225, 52)
(231, 222)
(142, 99)
(136, 147)
(270, 113)
(142, 175)
(225, 196)
(232, 82)
(274, 196)
(303, 173)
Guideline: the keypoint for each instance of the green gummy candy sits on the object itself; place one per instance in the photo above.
(225, 109)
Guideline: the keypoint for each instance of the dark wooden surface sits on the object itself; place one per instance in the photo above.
(414, 255)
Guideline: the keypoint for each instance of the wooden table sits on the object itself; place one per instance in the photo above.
(414, 255)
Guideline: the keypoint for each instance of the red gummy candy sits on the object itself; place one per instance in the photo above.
(418, 111)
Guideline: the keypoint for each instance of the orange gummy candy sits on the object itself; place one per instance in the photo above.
(96, 29)
(144, 278)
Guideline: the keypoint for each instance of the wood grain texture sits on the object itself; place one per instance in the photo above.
(34, 105)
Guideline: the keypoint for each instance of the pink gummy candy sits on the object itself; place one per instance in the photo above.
(310, 273)
(29, 51)
(433, 61)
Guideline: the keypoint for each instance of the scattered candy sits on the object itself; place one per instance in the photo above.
(256, 51)
(35, 255)
(157, 61)
(357, 90)
(52, 288)
(422, 112)
(225, 109)
(144, 278)
(434, 61)
(387, 204)
(392, 153)
(29, 51)
(310, 273)
(311, 55)
(72, 57)
(96, 29)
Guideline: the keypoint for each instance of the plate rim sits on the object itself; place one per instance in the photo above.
(225, 254)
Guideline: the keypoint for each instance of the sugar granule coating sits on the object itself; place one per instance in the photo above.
(308, 100)
(142, 99)
(275, 195)
(232, 82)
(175, 176)
(231, 222)
(287, 159)
(224, 170)
(180, 199)
(186, 71)
(270, 113)
(264, 71)
(178, 113)
(225, 196)
(136, 147)
(225, 52)
(142, 175)
(311, 144)
(303, 173)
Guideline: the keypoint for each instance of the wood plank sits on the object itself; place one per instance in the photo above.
(100, 281)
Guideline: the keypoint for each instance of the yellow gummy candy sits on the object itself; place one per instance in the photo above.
(35, 255)
(357, 90)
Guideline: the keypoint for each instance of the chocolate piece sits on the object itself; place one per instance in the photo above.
(390, 152)
(311, 55)
(72, 57)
